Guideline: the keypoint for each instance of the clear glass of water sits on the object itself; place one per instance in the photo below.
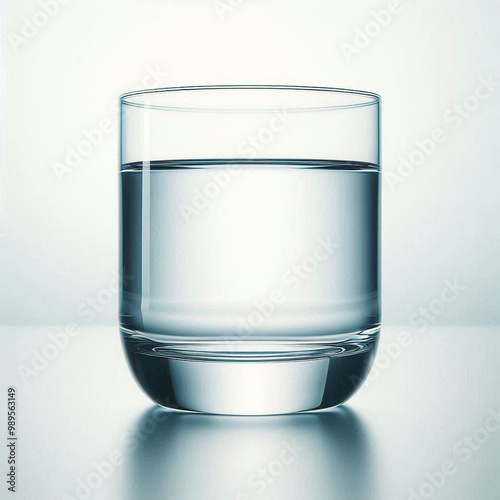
(249, 245)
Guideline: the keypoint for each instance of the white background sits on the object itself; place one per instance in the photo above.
(59, 235)
(59, 248)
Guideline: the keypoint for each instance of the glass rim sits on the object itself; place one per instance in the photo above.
(358, 98)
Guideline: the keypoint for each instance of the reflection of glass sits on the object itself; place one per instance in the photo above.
(249, 236)
(315, 456)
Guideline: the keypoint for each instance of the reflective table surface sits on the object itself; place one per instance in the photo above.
(426, 424)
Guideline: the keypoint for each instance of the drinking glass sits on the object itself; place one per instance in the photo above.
(249, 245)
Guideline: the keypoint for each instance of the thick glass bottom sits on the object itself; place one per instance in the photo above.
(250, 378)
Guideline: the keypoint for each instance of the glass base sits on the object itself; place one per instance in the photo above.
(250, 378)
